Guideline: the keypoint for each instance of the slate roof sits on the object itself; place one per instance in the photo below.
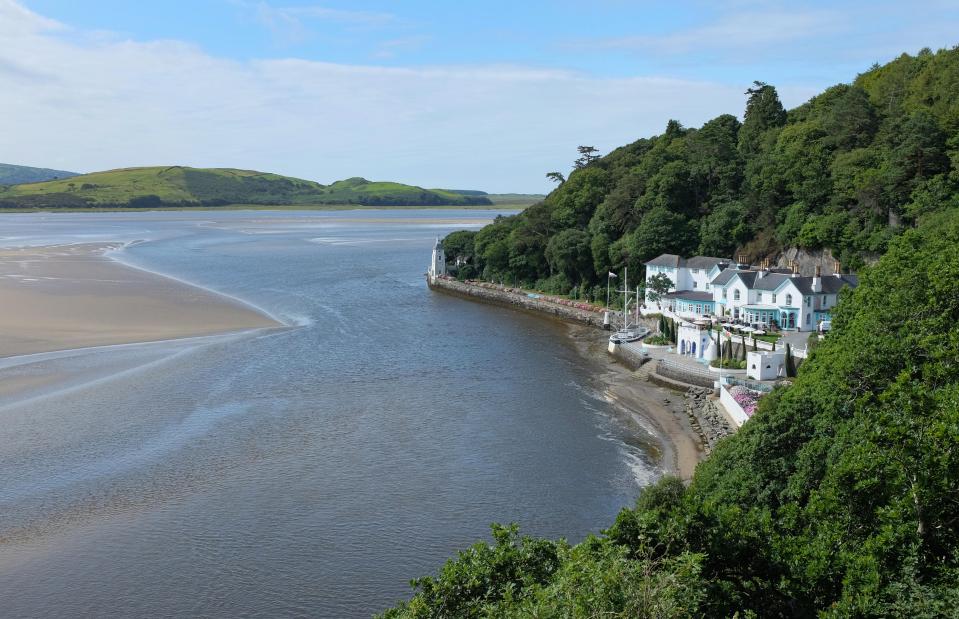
(830, 283)
(667, 260)
(696, 262)
(772, 281)
(705, 262)
(724, 278)
(690, 295)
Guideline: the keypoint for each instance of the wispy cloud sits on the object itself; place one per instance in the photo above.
(393, 47)
(742, 31)
(109, 103)
(293, 24)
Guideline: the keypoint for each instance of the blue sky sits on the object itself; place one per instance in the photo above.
(487, 95)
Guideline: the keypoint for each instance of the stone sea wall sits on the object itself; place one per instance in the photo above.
(515, 297)
(705, 417)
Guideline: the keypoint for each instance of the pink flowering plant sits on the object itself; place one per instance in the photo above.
(745, 398)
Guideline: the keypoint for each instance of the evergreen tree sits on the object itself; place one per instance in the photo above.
(764, 111)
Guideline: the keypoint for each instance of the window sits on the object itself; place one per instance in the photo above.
(808, 301)
(807, 320)
(789, 299)
(736, 294)
(774, 297)
(695, 285)
(724, 293)
(824, 300)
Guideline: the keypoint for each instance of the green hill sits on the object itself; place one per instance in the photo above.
(847, 171)
(840, 496)
(16, 174)
(154, 187)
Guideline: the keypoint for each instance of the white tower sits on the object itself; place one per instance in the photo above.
(438, 264)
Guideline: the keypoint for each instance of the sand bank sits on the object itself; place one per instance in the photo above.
(683, 449)
(72, 296)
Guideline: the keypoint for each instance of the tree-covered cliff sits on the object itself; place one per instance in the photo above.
(839, 498)
(847, 171)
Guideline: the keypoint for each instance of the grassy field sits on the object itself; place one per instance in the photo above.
(178, 186)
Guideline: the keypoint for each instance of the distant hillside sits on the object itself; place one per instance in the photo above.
(155, 187)
(16, 174)
(517, 199)
(375, 193)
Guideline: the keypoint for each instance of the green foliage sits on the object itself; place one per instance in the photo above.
(848, 171)
(839, 498)
(657, 286)
(460, 244)
(727, 363)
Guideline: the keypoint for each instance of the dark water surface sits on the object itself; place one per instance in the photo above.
(310, 471)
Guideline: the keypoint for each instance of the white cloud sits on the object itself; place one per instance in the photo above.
(292, 24)
(75, 102)
(740, 31)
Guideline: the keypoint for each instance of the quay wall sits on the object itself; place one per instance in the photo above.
(515, 297)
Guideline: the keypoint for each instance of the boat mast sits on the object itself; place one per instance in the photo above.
(625, 298)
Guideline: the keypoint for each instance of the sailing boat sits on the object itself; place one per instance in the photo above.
(629, 333)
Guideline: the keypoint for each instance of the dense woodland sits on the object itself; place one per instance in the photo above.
(840, 497)
(847, 171)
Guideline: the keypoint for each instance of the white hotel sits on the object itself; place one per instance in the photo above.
(706, 286)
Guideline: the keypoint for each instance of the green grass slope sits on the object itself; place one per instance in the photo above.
(153, 187)
(361, 191)
(16, 174)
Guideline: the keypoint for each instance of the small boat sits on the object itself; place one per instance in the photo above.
(629, 334)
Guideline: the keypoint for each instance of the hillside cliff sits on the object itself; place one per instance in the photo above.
(841, 175)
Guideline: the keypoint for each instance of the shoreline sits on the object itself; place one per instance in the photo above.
(683, 447)
(80, 296)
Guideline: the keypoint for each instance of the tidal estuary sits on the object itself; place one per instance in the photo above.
(305, 470)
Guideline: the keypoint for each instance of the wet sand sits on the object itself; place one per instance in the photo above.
(682, 450)
(73, 296)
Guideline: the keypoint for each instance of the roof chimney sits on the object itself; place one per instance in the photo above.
(817, 280)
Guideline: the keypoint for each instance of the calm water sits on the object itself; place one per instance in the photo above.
(306, 472)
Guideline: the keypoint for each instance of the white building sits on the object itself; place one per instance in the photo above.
(766, 364)
(438, 262)
(705, 286)
(695, 341)
(691, 275)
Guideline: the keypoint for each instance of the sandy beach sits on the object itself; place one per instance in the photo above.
(73, 296)
(683, 449)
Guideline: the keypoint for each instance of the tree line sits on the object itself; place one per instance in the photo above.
(848, 171)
